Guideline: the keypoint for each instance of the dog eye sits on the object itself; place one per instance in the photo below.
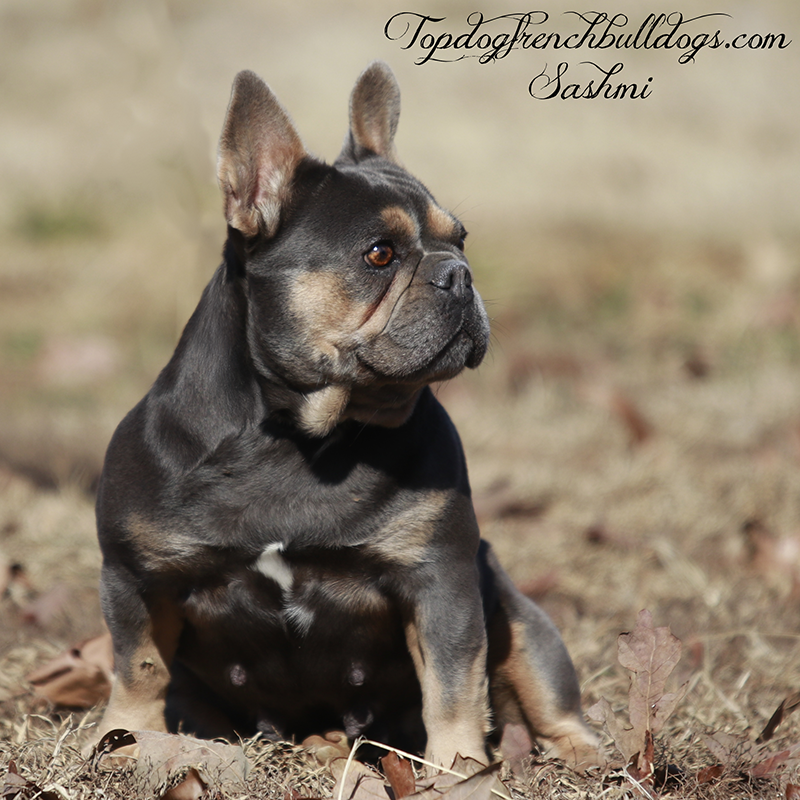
(380, 254)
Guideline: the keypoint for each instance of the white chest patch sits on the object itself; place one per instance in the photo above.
(274, 566)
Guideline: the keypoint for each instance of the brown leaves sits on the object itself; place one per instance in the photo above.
(499, 501)
(752, 759)
(774, 557)
(515, 746)
(466, 780)
(400, 775)
(162, 756)
(628, 413)
(651, 654)
(15, 786)
(483, 785)
(324, 749)
(78, 678)
(356, 781)
(192, 787)
(786, 707)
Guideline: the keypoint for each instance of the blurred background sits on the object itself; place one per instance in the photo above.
(110, 220)
(634, 435)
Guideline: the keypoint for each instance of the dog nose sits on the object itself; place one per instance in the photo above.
(453, 276)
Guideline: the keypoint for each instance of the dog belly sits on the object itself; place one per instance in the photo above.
(324, 654)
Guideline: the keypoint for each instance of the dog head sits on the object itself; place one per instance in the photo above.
(357, 288)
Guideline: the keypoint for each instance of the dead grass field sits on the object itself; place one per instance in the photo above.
(633, 437)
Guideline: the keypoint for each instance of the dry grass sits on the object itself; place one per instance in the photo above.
(633, 438)
(695, 519)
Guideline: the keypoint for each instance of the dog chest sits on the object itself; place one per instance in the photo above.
(291, 632)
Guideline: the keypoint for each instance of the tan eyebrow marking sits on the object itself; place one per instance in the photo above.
(441, 223)
(401, 223)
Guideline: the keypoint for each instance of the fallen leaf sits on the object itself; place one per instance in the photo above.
(356, 781)
(709, 774)
(625, 738)
(324, 749)
(499, 501)
(192, 787)
(645, 768)
(15, 785)
(639, 429)
(46, 607)
(697, 365)
(400, 775)
(792, 791)
(522, 367)
(161, 755)
(539, 587)
(651, 654)
(774, 557)
(770, 764)
(732, 751)
(515, 746)
(113, 741)
(786, 707)
(478, 786)
(78, 678)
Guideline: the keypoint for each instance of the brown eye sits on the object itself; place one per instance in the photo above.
(379, 255)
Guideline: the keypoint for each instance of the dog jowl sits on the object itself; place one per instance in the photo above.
(289, 544)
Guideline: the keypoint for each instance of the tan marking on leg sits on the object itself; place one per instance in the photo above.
(441, 224)
(516, 682)
(405, 538)
(453, 729)
(158, 552)
(400, 223)
(138, 696)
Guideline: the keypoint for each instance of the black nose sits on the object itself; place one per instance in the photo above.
(453, 276)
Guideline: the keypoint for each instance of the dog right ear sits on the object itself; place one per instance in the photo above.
(259, 151)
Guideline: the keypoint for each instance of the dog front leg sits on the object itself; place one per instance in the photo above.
(145, 636)
(447, 640)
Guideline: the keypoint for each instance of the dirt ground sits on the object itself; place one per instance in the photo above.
(633, 436)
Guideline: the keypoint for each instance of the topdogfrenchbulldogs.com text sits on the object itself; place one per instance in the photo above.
(490, 39)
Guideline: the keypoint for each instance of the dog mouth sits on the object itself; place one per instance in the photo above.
(417, 360)
(389, 400)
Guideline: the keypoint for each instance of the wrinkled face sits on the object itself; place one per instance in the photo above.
(365, 286)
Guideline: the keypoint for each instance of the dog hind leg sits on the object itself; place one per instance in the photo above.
(531, 676)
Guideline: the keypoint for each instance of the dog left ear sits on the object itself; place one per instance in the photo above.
(374, 113)
(259, 151)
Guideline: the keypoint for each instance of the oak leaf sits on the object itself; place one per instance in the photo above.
(356, 781)
(79, 677)
(651, 654)
(400, 775)
(192, 787)
(515, 746)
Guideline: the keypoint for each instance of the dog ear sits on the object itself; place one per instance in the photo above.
(374, 113)
(259, 151)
